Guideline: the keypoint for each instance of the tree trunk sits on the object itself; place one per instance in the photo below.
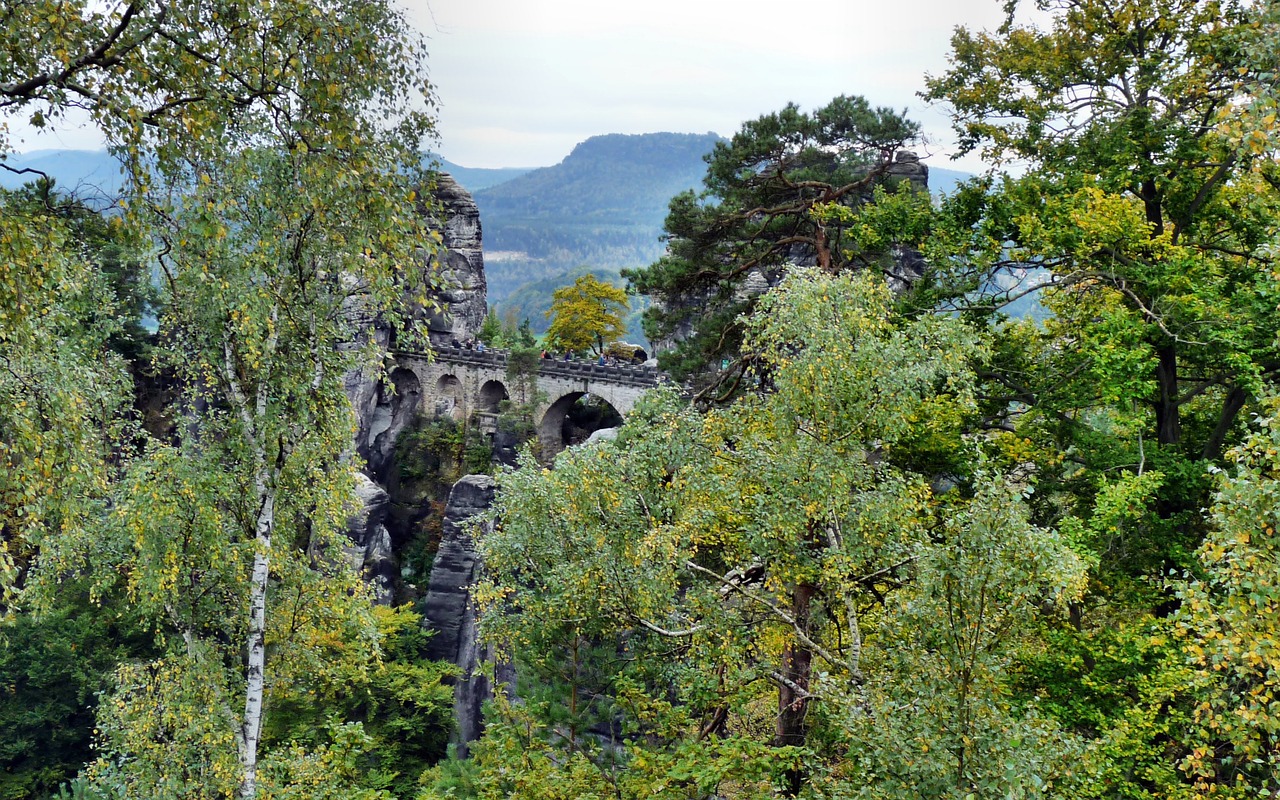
(793, 705)
(1230, 409)
(1168, 425)
(255, 668)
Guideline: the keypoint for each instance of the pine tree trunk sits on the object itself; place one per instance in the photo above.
(793, 705)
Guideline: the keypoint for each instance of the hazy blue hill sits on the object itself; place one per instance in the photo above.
(97, 172)
(473, 179)
(944, 181)
(602, 206)
(614, 178)
(90, 174)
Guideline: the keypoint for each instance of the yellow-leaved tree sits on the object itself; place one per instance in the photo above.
(586, 315)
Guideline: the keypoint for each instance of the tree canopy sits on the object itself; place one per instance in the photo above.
(754, 217)
(586, 315)
(272, 153)
(750, 565)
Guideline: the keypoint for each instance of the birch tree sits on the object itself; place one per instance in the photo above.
(272, 151)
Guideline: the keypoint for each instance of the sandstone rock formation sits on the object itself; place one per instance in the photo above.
(370, 547)
(460, 264)
(449, 610)
(384, 407)
(907, 166)
(386, 404)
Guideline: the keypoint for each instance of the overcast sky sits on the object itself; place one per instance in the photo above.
(521, 81)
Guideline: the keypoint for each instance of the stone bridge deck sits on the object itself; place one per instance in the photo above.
(624, 374)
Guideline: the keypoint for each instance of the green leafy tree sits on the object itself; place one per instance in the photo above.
(754, 217)
(402, 703)
(724, 594)
(522, 335)
(1150, 212)
(52, 668)
(271, 150)
(491, 332)
(1231, 629)
(65, 387)
(586, 315)
(1148, 207)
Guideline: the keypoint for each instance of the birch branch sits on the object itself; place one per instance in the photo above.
(821, 651)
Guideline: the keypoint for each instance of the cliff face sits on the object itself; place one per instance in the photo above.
(386, 405)
(460, 264)
(451, 613)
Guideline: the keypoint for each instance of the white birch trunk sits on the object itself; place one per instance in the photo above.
(255, 668)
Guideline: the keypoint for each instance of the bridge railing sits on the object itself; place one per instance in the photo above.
(630, 374)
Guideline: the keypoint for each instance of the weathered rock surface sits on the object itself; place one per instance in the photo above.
(449, 611)
(907, 165)
(603, 435)
(384, 407)
(370, 547)
(460, 263)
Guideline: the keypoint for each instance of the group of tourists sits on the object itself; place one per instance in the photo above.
(604, 359)
(469, 344)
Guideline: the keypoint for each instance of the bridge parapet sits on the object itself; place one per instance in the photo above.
(626, 374)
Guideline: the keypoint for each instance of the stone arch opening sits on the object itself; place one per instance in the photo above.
(572, 419)
(398, 398)
(449, 397)
(492, 393)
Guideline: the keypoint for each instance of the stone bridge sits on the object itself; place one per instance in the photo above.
(457, 382)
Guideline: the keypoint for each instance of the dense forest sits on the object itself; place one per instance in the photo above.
(883, 539)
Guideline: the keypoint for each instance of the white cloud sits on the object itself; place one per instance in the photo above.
(520, 82)
(554, 72)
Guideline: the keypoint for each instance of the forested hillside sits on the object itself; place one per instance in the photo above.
(473, 179)
(602, 207)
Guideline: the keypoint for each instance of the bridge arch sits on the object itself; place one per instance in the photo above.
(571, 419)
(492, 393)
(450, 397)
(456, 382)
(395, 404)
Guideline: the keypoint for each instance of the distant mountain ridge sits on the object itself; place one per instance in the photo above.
(97, 171)
(91, 174)
(615, 177)
(473, 179)
(602, 206)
